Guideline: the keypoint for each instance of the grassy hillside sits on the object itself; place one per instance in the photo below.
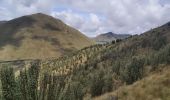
(38, 36)
(153, 87)
(95, 70)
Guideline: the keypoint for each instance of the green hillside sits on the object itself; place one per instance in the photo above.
(38, 36)
(93, 71)
(153, 87)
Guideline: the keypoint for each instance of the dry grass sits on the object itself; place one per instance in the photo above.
(154, 87)
(39, 36)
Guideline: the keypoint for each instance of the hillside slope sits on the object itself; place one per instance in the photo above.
(104, 68)
(98, 69)
(38, 36)
(154, 87)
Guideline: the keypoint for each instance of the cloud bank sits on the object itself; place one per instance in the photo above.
(93, 17)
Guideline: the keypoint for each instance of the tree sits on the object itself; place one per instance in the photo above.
(114, 41)
(118, 40)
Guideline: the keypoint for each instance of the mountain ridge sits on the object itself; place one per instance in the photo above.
(109, 37)
(39, 36)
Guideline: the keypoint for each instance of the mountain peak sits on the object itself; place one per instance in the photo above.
(109, 33)
(109, 36)
(39, 36)
(36, 20)
(168, 23)
(36, 17)
(40, 15)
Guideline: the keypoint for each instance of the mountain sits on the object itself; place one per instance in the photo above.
(1, 22)
(135, 67)
(38, 36)
(108, 37)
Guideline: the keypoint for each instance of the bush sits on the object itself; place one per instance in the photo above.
(133, 70)
(161, 57)
(108, 83)
(97, 84)
(159, 41)
(9, 85)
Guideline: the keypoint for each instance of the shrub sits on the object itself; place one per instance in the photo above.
(97, 84)
(133, 70)
(9, 85)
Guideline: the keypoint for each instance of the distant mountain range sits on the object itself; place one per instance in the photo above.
(38, 36)
(1, 22)
(108, 37)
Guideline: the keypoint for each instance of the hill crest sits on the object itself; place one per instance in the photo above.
(109, 37)
(38, 36)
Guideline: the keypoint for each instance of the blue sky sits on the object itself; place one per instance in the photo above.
(93, 17)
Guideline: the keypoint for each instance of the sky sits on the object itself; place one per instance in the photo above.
(93, 17)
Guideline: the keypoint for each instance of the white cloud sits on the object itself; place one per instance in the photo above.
(125, 16)
(16, 8)
(88, 23)
(95, 16)
(70, 18)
